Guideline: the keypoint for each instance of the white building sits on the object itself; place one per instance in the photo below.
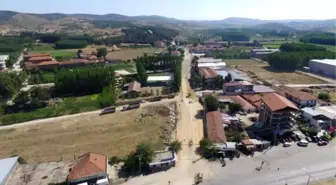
(3, 59)
(7, 167)
(209, 60)
(217, 65)
(320, 117)
(325, 67)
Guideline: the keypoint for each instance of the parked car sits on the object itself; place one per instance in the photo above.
(314, 138)
(309, 139)
(322, 143)
(242, 113)
(303, 142)
(287, 144)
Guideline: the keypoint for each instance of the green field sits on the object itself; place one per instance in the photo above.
(70, 105)
(48, 48)
(328, 47)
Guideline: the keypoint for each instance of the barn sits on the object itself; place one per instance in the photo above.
(326, 67)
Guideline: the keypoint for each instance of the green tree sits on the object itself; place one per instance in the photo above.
(39, 93)
(234, 107)
(324, 96)
(139, 160)
(21, 98)
(101, 52)
(175, 146)
(211, 103)
(108, 96)
(141, 72)
(219, 81)
(207, 148)
(228, 78)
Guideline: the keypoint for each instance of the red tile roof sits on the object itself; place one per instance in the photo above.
(215, 127)
(247, 142)
(285, 90)
(79, 61)
(252, 98)
(88, 165)
(43, 58)
(134, 86)
(45, 63)
(208, 72)
(37, 55)
(246, 106)
(277, 102)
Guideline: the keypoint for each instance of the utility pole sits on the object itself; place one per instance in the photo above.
(310, 176)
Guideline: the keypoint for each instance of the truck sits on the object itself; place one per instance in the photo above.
(108, 110)
(131, 106)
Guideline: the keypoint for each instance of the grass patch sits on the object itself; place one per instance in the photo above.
(42, 47)
(70, 105)
(42, 77)
(111, 134)
(242, 62)
(57, 53)
(123, 66)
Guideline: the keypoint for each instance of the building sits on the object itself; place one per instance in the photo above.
(262, 89)
(29, 56)
(159, 80)
(73, 63)
(320, 117)
(246, 106)
(262, 53)
(159, 44)
(163, 160)
(300, 98)
(214, 127)
(238, 88)
(7, 167)
(255, 145)
(3, 60)
(89, 168)
(134, 89)
(326, 67)
(41, 65)
(40, 59)
(208, 74)
(254, 100)
(276, 110)
(176, 53)
(235, 74)
(209, 60)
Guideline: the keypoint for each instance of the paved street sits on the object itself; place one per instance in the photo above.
(320, 162)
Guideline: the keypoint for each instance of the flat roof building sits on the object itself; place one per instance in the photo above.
(209, 60)
(7, 167)
(159, 78)
(326, 67)
(213, 65)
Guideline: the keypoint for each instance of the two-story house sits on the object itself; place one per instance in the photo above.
(300, 98)
(277, 111)
(238, 88)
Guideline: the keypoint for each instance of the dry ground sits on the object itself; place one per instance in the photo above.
(239, 62)
(112, 134)
(123, 53)
(327, 182)
(275, 77)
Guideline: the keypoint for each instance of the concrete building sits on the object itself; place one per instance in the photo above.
(300, 98)
(159, 80)
(261, 53)
(214, 127)
(89, 169)
(326, 67)
(246, 106)
(320, 117)
(7, 167)
(276, 111)
(163, 160)
(209, 60)
(238, 88)
(159, 44)
(3, 59)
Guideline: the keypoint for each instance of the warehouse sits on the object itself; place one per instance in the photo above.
(7, 167)
(326, 67)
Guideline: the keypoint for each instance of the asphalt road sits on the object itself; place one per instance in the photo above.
(320, 162)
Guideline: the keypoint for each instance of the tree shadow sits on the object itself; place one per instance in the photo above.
(273, 70)
(200, 114)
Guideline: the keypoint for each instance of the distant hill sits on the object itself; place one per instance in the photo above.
(83, 21)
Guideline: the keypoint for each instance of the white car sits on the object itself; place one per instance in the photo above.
(303, 142)
(287, 144)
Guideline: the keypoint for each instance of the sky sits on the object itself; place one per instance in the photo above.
(184, 9)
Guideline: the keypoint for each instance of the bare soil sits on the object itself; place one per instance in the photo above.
(112, 134)
(278, 77)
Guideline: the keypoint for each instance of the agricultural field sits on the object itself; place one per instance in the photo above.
(69, 105)
(48, 48)
(278, 77)
(111, 134)
(328, 47)
(242, 62)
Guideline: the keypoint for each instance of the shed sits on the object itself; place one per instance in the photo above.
(7, 167)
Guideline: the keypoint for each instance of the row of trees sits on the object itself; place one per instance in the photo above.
(295, 47)
(84, 80)
(295, 60)
(234, 54)
(158, 62)
(70, 44)
(108, 96)
(320, 38)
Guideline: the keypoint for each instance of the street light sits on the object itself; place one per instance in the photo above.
(310, 176)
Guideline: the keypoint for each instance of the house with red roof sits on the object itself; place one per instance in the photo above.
(89, 168)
